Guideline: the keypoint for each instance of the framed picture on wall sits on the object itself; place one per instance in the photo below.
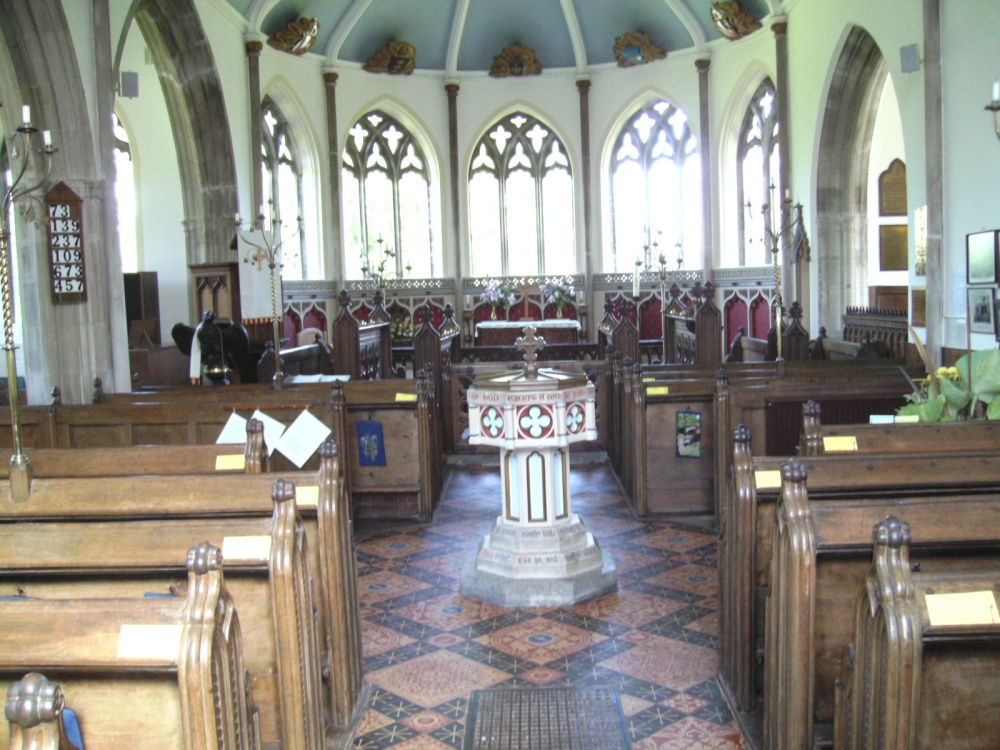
(981, 310)
(982, 251)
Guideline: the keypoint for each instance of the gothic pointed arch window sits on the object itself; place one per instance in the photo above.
(386, 188)
(655, 189)
(125, 197)
(521, 215)
(282, 182)
(758, 162)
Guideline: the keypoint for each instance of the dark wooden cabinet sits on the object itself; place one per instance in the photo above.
(142, 308)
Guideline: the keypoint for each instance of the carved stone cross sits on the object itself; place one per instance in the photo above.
(529, 343)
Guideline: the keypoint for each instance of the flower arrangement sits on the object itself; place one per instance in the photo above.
(559, 293)
(969, 390)
(402, 329)
(497, 295)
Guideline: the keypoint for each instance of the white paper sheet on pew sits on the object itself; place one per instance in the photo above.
(300, 379)
(234, 432)
(880, 419)
(302, 438)
(272, 430)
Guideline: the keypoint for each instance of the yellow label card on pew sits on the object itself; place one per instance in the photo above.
(232, 462)
(658, 390)
(160, 642)
(840, 443)
(649, 380)
(969, 608)
(767, 479)
(406, 396)
(307, 497)
(907, 418)
(246, 548)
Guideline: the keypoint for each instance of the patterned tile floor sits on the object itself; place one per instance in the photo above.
(426, 648)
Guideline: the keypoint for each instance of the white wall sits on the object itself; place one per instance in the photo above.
(970, 64)
(887, 144)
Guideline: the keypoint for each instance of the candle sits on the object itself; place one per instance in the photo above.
(236, 218)
(47, 138)
(635, 279)
(26, 114)
(996, 91)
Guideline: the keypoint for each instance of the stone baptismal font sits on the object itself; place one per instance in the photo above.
(539, 553)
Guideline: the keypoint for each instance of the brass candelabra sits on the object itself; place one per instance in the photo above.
(21, 147)
(266, 244)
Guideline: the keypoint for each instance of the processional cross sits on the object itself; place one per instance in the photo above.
(530, 344)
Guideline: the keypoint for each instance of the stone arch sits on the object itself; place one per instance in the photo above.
(198, 120)
(65, 345)
(848, 121)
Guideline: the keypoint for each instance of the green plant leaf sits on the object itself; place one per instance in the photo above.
(932, 385)
(955, 396)
(930, 410)
(985, 373)
(993, 410)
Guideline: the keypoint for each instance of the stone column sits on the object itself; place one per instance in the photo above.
(333, 145)
(934, 148)
(707, 249)
(789, 288)
(253, 46)
(583, 86)
(114, 299)
(451, 89)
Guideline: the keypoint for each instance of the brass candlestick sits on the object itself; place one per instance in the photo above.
(20, 146)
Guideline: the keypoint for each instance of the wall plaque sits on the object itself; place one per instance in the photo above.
(892, 190)
(892, 246)
(67, 270)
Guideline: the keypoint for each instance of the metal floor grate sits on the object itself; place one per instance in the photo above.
(546, 719)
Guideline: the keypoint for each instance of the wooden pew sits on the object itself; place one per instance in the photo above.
(309, 359)
(361, 349)
(408, 485)
(821, 552)
(192, 696)
(748, 529)
(907, 683)
(38, 718)
(81, 555)
(694, 335)
(658, 479)
(52, 463)
(975, 435)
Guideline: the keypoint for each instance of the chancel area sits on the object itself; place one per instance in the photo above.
(338, 335)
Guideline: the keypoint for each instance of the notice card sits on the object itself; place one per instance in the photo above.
(234, 432)
(246, 548)
(272, 430)
(302, 438)
(840, 443)
(969, 608)
(159, 642)
(234, 462)
(767, 479)
(657, 390)
(908, 419)
(880, 419)
(307, 496)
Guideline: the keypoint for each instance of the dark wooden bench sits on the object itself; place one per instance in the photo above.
(746, 536)
(134, 693)
(906, 681)
(323, 505)
(821, 551)
(105, 555)
(818, 439)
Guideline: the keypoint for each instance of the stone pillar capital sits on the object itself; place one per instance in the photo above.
(253, 47)
(780, 25)
(583, 85)
(330, 77)
(703, 64)
(451, 88)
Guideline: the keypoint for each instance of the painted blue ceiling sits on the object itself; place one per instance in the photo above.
(491, 25)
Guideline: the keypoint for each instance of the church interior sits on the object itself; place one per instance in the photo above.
(308, 304)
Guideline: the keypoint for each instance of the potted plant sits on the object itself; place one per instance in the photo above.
(497, 295)
(559, 293)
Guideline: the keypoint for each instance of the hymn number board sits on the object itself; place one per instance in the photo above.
(66, 259)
